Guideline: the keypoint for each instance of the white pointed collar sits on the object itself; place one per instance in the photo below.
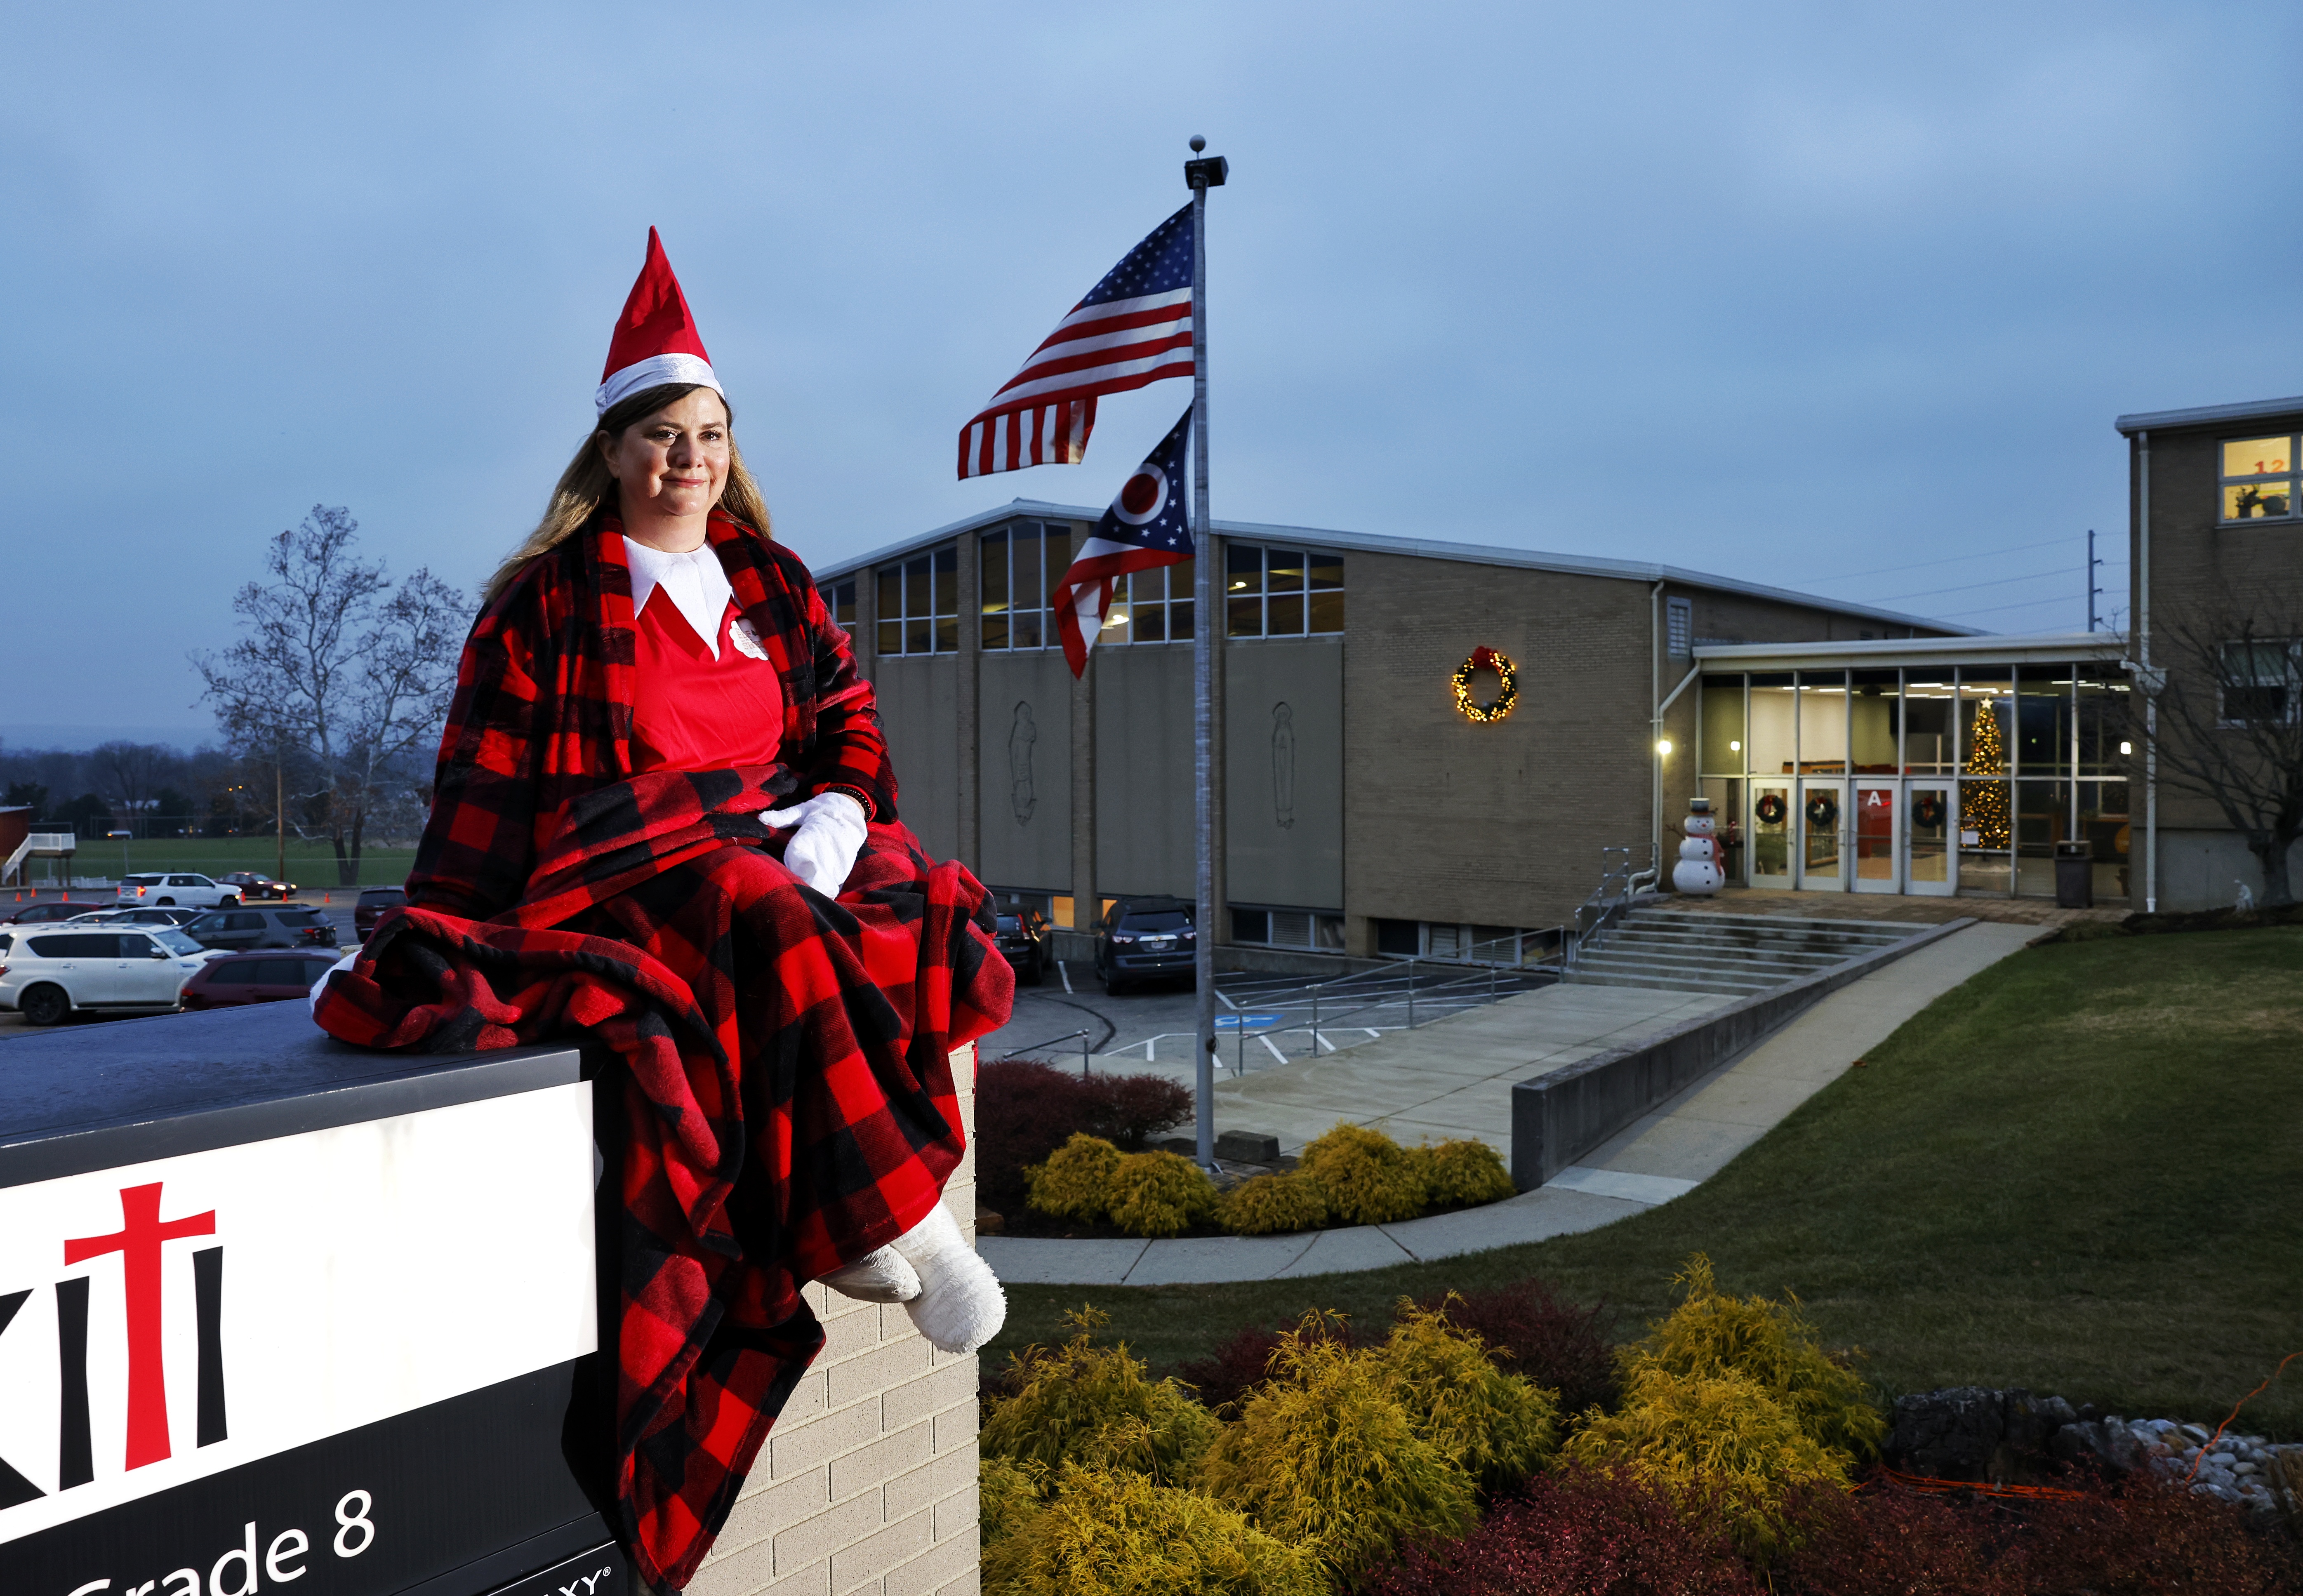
(693, 581)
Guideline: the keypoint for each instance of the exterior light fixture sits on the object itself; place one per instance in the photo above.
(2127, 748)
(1664, 747)
(1735, 748)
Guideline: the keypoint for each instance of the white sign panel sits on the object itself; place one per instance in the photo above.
(164, 1320)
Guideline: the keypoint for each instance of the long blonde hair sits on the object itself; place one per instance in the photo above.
(587, 487)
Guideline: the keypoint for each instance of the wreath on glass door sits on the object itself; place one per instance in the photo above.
(1769, 808)
(1484, 658)
(1927, 810)
(1822, 811)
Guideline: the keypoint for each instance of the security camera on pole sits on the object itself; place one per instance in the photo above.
(1135, 326)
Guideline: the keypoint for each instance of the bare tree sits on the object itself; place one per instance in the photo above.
(334, 671)
(131, 773)
(2231, 708)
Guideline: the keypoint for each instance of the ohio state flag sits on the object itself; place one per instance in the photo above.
(1147, 525)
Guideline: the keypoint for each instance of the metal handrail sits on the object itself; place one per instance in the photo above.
(1393, 974)
(1083, 1034)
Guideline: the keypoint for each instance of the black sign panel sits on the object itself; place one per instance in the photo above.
(458, 1499)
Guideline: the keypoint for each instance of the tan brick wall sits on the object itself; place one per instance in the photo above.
(868, 1481)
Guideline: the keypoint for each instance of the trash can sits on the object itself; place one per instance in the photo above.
(2074, 876)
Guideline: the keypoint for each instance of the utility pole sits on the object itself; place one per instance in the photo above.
(1202, 173)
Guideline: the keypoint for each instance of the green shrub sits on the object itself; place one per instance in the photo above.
(1076, 1182)
(1273, 1205)
(1467, 1172)
(1498, 1427)
(1119, 1535)
(1367, 1177)
(1771, 1343)
(1326, 1457)
(1159, 1193)
(1009, 1493)
(1082, 1403)
(1719, 1444)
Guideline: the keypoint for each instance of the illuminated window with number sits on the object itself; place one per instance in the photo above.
(839, 598)
(919, 603)
(1150, 606)
(1021, 567)
(2259, 479)
(1281, 592)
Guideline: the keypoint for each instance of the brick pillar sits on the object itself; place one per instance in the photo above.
(867, 1484)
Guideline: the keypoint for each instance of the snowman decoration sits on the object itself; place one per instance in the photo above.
(1699, 872)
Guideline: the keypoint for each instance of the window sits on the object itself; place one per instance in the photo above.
(1151, 606)
(2259, 683)
(1282, 593)
(1022, 565)
(1679, 627)
(919, 603)
(1288, 928)
(2258, 478)
(839, 598)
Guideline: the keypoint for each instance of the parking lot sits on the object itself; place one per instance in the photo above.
(1262, 1020)
(337, 906)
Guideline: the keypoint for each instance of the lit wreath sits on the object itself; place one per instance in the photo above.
(1484, 658)
(1769, 808)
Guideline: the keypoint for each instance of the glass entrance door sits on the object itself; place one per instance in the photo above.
(1772, 829)
(1821, 826)
(1873, 825)
(1930, 863)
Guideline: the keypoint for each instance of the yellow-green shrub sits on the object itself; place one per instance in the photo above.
(1076, 1182)
(1719, 1442)
(1007, 1493)
(1368, 1179)
(1119, 1535)
(1712, 1332)
(1326, 1457)
(1159, 1193)
(1273, 1205)
(1082, 1403)
(1466, 1171)
(1498, 1428)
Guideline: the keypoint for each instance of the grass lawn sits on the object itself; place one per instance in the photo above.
(2081, 1171)
(310, 863)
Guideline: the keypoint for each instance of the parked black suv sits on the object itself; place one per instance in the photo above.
(1023, 939)
(373, 902)
(246, 927)
(1144, 939)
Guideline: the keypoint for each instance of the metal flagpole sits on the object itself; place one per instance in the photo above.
(1202, 173)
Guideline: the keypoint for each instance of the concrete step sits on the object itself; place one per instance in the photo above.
(1692, 925)
(1694, 948)
(1893, 930)
(1662, 983)
(1687, 963)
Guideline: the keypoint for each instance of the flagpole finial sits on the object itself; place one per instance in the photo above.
(1198, 144)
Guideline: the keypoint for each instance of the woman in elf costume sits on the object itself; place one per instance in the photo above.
(665, 816)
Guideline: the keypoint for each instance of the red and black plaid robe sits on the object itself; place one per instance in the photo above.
(789, 1102)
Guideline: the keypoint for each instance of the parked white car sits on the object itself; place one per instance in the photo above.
(174, 888)
(46, 974)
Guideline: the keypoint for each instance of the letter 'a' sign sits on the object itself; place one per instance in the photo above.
(335, 1361)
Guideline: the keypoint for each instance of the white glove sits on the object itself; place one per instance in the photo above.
(831, 832)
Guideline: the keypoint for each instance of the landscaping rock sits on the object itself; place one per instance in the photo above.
(1248, 1147)
(1969, 1432)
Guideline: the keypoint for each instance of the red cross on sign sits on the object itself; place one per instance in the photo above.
(138, 1242)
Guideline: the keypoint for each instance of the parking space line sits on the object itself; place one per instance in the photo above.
(1065, 974)
(1269, 1048)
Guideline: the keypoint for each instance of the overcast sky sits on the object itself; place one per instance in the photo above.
(1791, 293)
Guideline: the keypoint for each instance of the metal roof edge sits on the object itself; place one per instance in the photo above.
(1474, 554)
(2104, 645)
(2199, 415)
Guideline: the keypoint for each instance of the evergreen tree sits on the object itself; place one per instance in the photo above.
(1983, 805)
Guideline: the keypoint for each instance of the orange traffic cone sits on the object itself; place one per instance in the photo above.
(325, 898)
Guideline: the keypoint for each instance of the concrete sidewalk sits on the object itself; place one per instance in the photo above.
(1666, 1154)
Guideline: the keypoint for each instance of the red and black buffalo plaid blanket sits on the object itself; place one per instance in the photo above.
(788, 1102)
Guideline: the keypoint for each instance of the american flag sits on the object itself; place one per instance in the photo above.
(1147, 525)
(1133, 327)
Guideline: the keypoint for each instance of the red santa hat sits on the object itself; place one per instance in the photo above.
(656, 340)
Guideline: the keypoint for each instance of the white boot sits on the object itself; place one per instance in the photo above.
(961, 1305)
(882, 1276)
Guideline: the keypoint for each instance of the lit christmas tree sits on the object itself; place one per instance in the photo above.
(1983, 805)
